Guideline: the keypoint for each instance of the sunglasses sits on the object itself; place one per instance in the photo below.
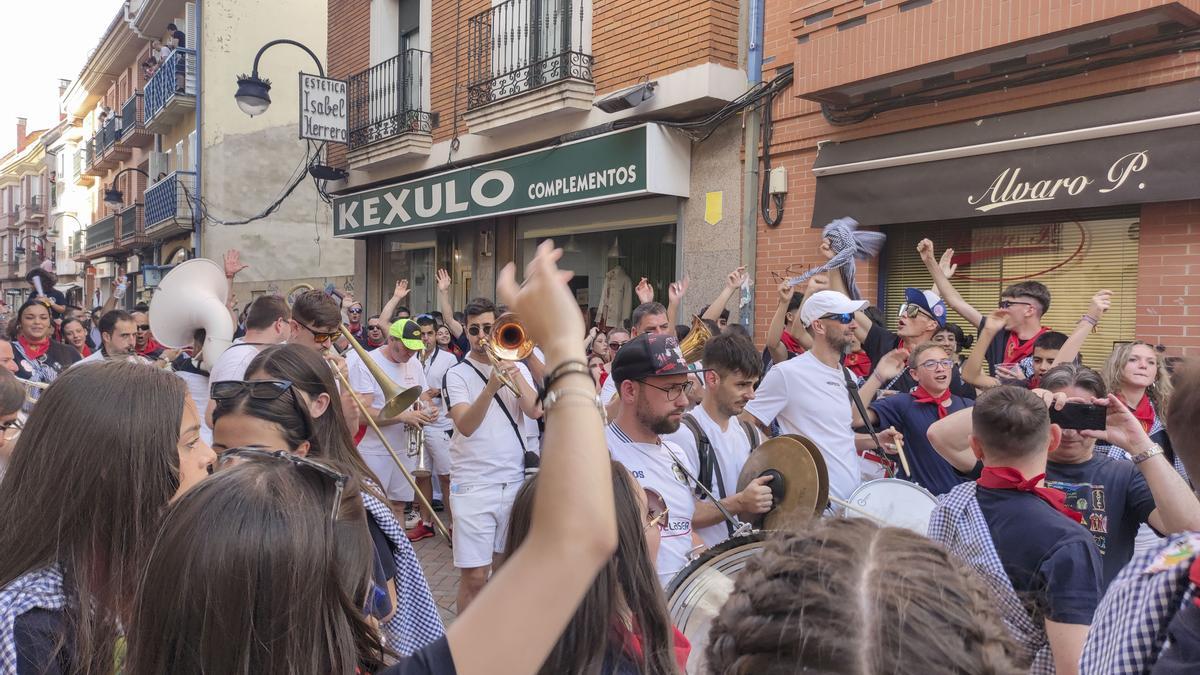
(909, 310)
(318, 336)
(475, 330)
(674, 391)
(339, 480)
(616, 344)
(1005, 304)
(144, 326)
(374, 327)
(843, 318)
(354, 311)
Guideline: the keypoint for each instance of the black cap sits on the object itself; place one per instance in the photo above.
(649, 355)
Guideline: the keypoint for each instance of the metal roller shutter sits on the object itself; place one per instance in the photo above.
(1074, 258)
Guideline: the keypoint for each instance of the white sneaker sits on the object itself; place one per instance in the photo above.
(412, 519)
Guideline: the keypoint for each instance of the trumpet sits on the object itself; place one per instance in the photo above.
(507, 342)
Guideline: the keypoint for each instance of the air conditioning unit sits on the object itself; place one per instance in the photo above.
(159, 165)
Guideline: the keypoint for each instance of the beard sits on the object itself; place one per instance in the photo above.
(659, 425)
(842, 344)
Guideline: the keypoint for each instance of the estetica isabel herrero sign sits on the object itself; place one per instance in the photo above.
(643, 160)
(1152, 166)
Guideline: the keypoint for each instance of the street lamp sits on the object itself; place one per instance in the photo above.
(254, 93)
(113, 197)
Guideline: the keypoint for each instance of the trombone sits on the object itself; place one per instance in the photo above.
(397, 401)
(507, 342)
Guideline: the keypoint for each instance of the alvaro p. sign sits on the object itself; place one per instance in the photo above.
(323, 115)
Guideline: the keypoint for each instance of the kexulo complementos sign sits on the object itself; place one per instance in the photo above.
(643, 160)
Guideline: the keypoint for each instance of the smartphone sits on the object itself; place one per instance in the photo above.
(1079, 416)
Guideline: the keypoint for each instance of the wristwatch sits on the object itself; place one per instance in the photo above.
(1155, 449)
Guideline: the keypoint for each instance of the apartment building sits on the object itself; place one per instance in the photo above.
(1054, 140)
(478, 129)
(24, 192)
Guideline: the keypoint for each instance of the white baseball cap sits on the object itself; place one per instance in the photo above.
(828, 302)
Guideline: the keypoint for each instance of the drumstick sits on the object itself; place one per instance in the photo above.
(903, 457)
(862, 512)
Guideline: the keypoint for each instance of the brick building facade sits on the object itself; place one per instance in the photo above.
(881, 80)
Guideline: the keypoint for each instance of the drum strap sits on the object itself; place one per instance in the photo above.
(708, 458)
(852, 390)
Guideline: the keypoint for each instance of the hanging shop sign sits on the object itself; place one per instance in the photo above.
(323, 109)
(643, 160)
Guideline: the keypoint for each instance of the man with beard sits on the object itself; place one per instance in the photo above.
(807, 395)
(652, 383)
(118, 337)
(715, 441)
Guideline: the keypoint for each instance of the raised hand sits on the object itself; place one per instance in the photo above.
(817, 283)
(233, 263)
(644, 291)
(545, 303)
(948, 268)
(826, 249)
(1101, 301)
(996, 320)
(892, 363)
(443, 280)
(786, 291)
(925, 249)
(401, 289)
(677, 289)
(736, 278)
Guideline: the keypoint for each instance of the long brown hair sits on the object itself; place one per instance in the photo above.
(251, 575)
(331, 438)
(846, 596)
(627, 583)
(89, 477)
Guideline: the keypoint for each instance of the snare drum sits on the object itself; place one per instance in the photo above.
(696, 595)
(895, 503)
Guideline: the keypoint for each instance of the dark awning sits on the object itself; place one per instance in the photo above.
(1102, 152)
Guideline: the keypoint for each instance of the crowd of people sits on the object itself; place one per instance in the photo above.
(255, 511)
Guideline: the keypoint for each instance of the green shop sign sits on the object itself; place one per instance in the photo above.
(645, 160)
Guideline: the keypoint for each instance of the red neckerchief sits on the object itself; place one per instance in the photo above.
(86, 351)
(791, 344)
(32, 350)
(151, 347)
(1015, 350)
(1008, 478)
(362, 431)
(1035, 381)
(1144, 412)
(858, 363)
(920, 395)
(372, 343)
(603, 376)
(631, 644)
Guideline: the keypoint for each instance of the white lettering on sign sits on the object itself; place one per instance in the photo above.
(323, 114)
(1008, 190)
(593, 180)
(505, 180)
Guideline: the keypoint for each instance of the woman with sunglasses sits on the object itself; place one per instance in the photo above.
(39, 357)
(510, 627)
(81, 502)
(622, 625)
(285, 404)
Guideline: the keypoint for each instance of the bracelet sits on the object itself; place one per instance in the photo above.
(1089, 319)
(552, 399)
(1155, 449)
(561, 370)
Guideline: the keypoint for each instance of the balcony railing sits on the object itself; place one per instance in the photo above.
(34, 210)
(389, 98)
(77, 244)
(176, 76)
(101, 234)
(106, 136)
(167, 201)
(76, 164)
(131, 131)
(520, 45)
(133, 229)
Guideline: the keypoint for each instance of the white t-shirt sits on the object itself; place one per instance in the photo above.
(809, 398)
(533, 433)
(91, 358)
(609, 390)
(405, 375)
(731, 447)
(234, 361)
(493, 454)
(198, 389)
(435, 371)
(653, 468)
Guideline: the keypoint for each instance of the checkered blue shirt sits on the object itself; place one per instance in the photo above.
(1130, 628)
(416, 621)
(40, 589)
(1156, 429)
(958, 524)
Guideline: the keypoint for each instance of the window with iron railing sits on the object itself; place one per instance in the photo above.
(176, 76)
(521, 45)
(390, 99)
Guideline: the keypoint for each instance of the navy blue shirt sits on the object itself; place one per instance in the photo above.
(1183, 656)
(1052, 562)
(1114, 499)
(37, 634)
(913, 420)
(432, 659)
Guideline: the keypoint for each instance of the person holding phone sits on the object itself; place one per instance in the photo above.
(1115, 497)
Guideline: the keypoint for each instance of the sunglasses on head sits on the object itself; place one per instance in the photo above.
(475, 330)
(338, 480)
(842, 318)
(263, 390)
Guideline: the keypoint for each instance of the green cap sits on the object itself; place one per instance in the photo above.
(408, 333)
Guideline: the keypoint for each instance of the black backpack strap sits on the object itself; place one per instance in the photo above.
(704, 452)
(751, 433)
(503, 408)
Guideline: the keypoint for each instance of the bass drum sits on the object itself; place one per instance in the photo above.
(696, 595)
(895, 503)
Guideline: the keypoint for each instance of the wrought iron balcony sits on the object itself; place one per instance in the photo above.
(88, 151)
(521, 45)
(101, 236)
(133, 227)
(77, 244)
(168, 210)
(388, 99)
(32, 212)
(171, 92)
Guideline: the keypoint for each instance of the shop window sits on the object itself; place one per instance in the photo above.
(411, 256)
(1072, 258)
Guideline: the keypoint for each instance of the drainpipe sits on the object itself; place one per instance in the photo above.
(198, 222)
(750, 179)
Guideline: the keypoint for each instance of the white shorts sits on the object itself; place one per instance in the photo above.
(481, 512)
(394, 484)
(437, 444)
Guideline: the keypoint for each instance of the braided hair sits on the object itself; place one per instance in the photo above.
(851, 598)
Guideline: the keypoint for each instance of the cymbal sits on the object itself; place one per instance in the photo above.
(800, 475)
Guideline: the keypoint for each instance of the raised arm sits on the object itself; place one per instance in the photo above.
(889, 366)
(817, 283)
(445, 306)
(517, 619)
(775, 330)
(732, 283)
(972, 370)
(389, 310)
(1101, 301)
(943, 285)
(675, 292)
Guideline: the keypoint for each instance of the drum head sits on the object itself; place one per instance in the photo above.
(803, 478)
(696, 595)
(895, 503)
